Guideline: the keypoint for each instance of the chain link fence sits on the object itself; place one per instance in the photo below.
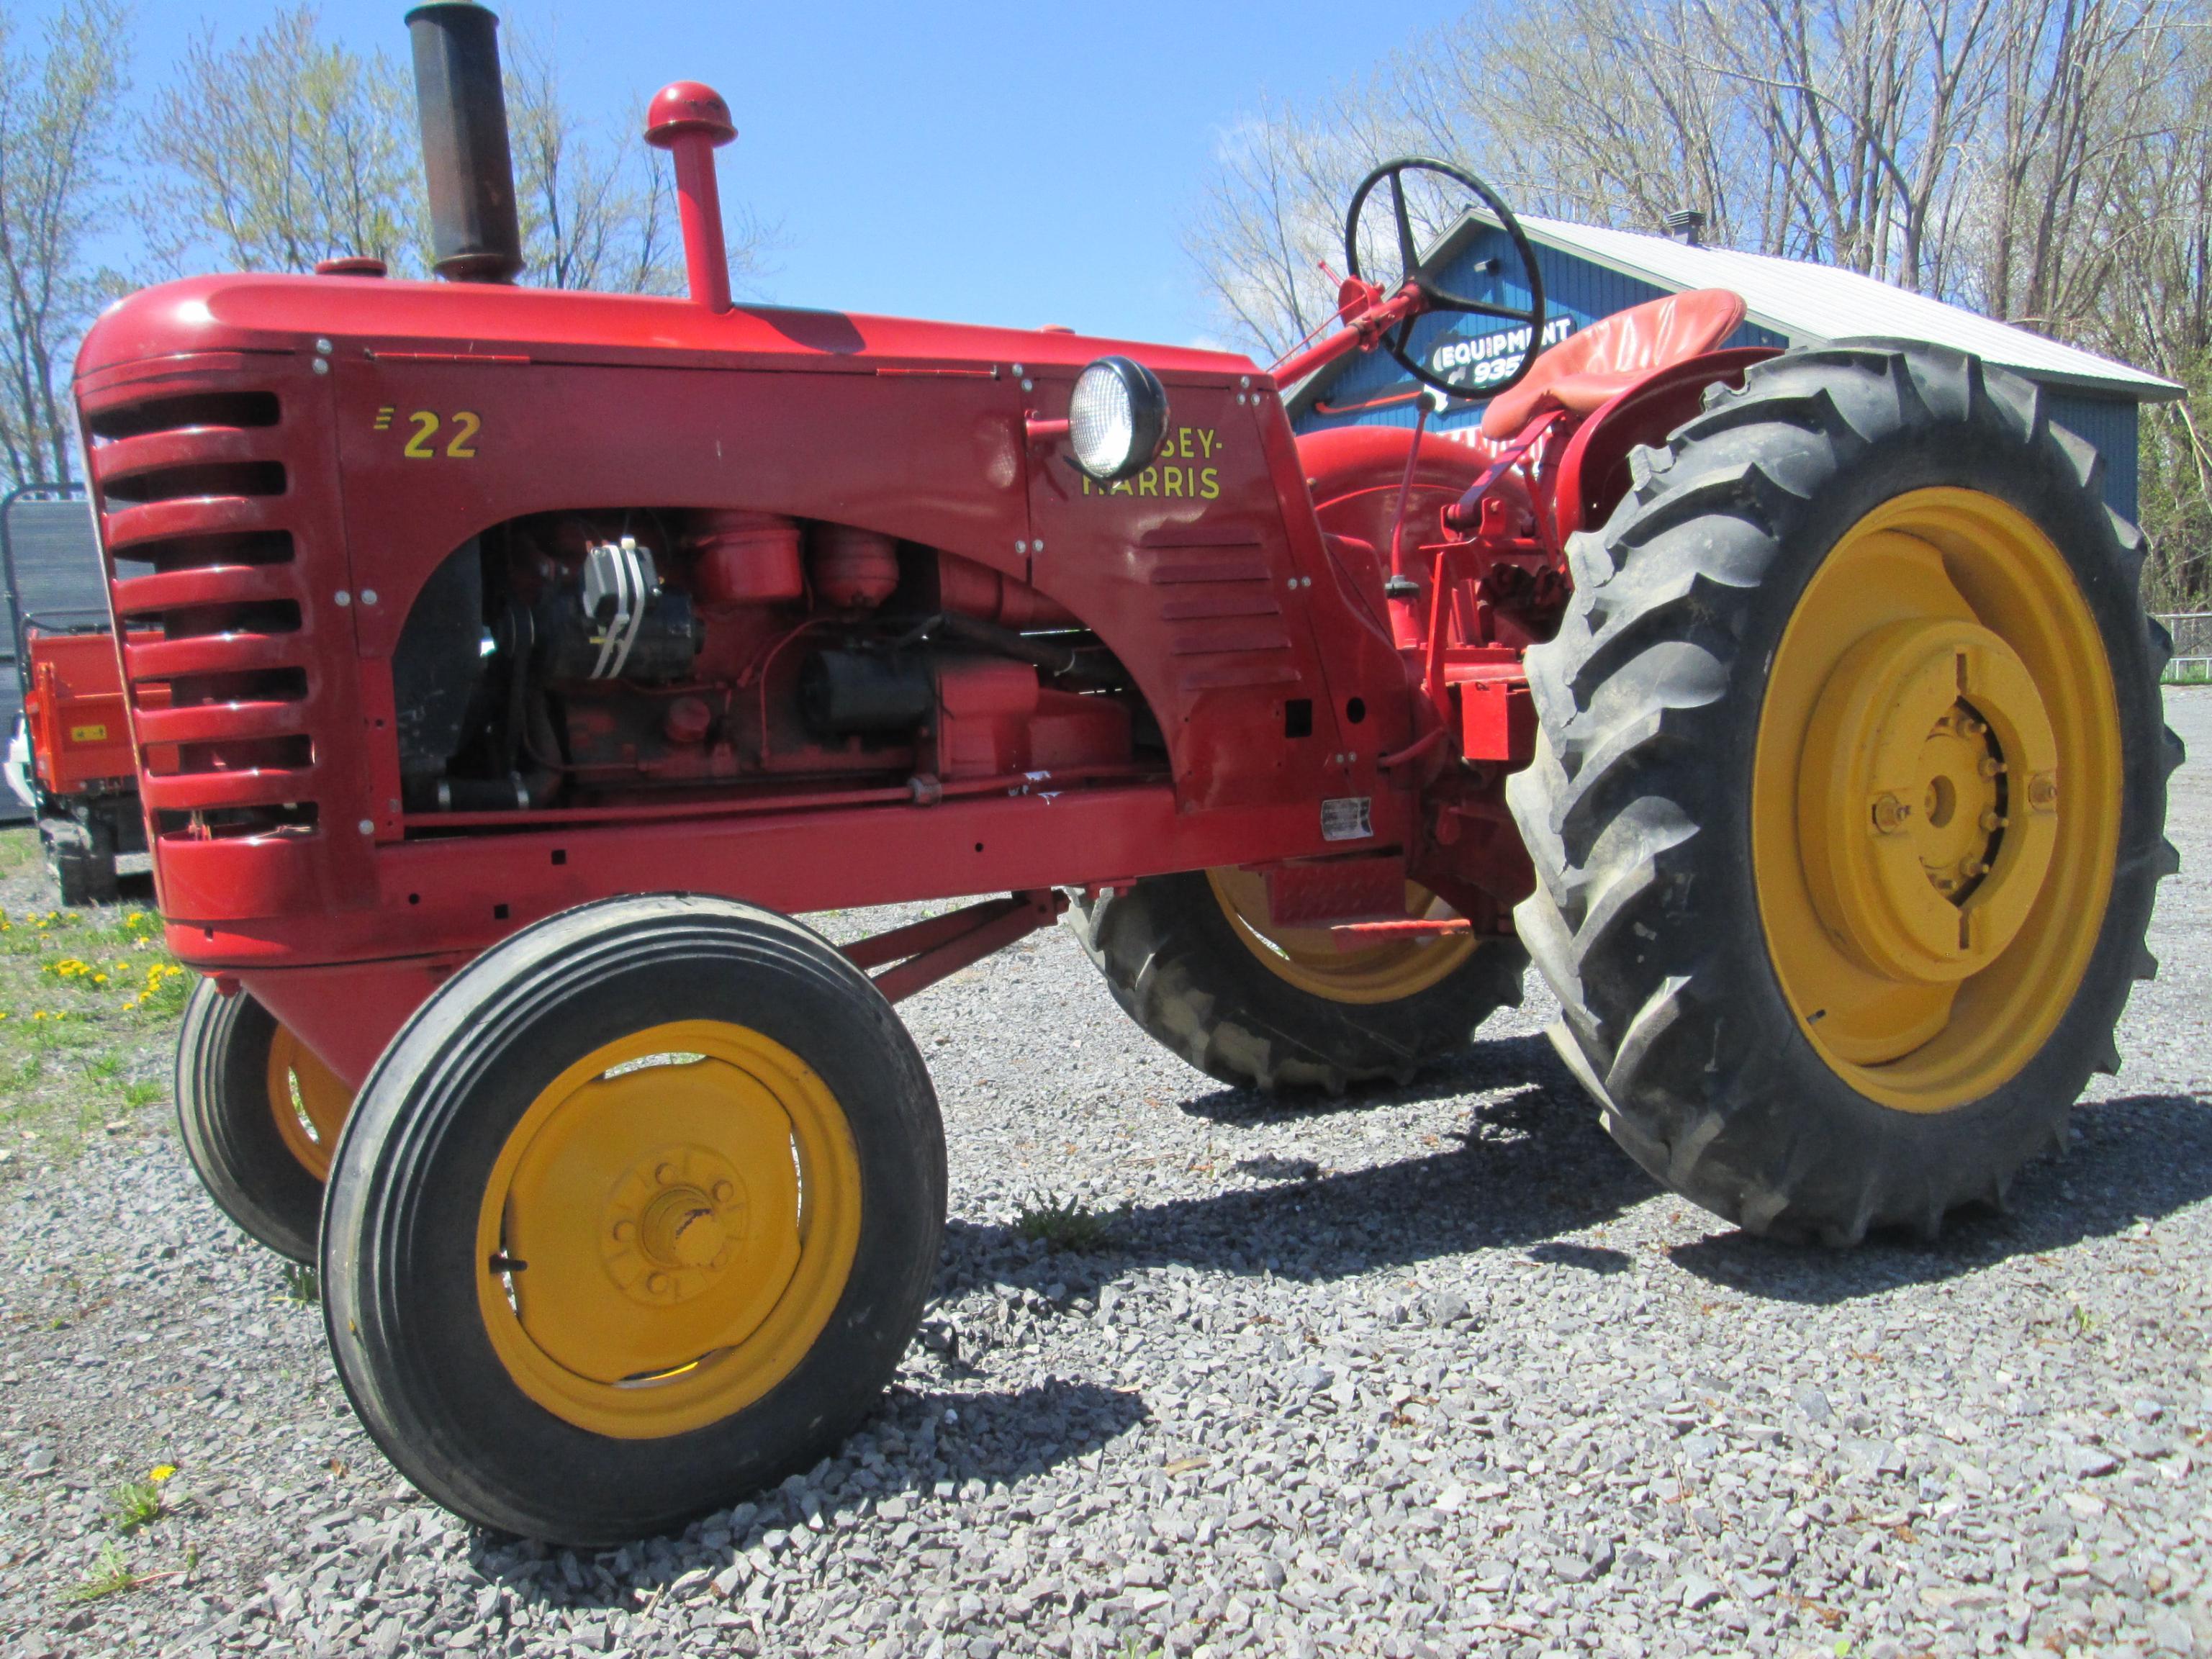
(2192, 647)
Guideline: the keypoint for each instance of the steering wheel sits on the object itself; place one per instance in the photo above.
(1434, 298)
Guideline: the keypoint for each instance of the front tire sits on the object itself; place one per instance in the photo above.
(1194, 960)
(1846, 809)
(635, 1215)
(258, 1114)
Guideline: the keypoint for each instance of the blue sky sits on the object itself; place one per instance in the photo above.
(1021, 164)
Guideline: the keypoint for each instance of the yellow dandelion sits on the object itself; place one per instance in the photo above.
(161, 1472)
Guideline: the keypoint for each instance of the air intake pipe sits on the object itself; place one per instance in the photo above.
(474, 233)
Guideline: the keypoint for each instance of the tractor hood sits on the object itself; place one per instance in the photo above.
(382, 317)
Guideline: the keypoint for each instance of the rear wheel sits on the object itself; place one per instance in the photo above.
(1196, 961)
(1846, 810)
(636, 1215)
(81, 854)
(258, 1114)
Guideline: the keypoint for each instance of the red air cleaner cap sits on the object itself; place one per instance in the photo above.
(683, 106)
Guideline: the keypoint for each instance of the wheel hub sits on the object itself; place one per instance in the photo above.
(669, 1225)
(1929, 799)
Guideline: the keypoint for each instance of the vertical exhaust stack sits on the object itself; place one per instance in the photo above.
(474, 233)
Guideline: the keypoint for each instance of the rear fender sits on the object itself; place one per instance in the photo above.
(1593, 473)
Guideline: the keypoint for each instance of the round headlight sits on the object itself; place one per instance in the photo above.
(1116, 419)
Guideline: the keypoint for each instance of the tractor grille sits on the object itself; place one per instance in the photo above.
(211, 594)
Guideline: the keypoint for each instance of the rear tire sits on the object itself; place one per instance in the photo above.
(260, 1163)
(636, 1215)
(83, 858)
(1773, 1016)
(1204, 982)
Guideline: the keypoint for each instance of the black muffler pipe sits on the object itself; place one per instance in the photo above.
(473, 230)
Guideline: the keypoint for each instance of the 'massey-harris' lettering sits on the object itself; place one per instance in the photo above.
(1179, 472)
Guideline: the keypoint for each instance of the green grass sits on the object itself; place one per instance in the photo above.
(111, 1575)
(1062, 1223)
(302, 1284)
(133, 1505)
(88, 998)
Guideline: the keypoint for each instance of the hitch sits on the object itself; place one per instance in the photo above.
(927, 952)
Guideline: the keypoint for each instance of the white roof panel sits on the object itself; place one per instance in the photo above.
(1806, 301)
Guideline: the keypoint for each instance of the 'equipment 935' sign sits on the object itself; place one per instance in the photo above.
(1488, 358)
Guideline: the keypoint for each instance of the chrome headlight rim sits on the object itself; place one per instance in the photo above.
(1143, 403)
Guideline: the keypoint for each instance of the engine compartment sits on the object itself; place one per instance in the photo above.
(588, 658)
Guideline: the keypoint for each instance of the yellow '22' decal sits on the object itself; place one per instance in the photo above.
(427, 424)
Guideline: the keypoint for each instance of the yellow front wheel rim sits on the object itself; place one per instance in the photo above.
(668, 1229)
(309, 1100)
(1308, 957)
(1936, 799)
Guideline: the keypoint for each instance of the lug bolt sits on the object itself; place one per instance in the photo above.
(1890, 814)
(1972, 728)
(625, 1231)
(1991, 821)
(723, 1192)
(1990, 766)
(1972, 868)
(657, 1284)
(665, 1174)
(2043, 791)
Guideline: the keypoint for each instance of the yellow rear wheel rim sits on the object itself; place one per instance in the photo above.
(1308, 957)
(1935, 800)
(309, 1100)
(668, 1229)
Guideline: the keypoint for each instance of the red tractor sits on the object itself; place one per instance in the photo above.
(70, 757)
(508, 667)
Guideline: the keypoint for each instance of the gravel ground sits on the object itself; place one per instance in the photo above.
(1429, 1372)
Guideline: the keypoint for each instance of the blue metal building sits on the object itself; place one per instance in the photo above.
(1591, 273)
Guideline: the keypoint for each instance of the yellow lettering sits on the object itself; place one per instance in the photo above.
(463, 447)
(425, 423)
(1209, 485)
(1148, 482)
(1206, 442)
(1122, 489)
(1182, 443)
(1172, 481)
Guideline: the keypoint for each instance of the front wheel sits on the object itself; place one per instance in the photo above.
(634, 1215)
(258, 1114)
(1846, 809)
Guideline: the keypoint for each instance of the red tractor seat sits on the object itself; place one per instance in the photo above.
(1587, 370)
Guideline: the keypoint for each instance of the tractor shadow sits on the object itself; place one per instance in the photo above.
(1500, 1063)
(1533, 1166)
(2137, 1159)
(1530, 1164)
(924, 1432)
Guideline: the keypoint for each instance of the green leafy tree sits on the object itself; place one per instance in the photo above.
(58, 100)
(283, 150)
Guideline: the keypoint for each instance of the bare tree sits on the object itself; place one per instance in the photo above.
(284, 150)
(598, 209)
(593, 214)
(57, 106)
(2046, 161)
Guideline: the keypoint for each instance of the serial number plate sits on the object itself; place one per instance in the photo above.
(1349, 818)
(87, 734)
